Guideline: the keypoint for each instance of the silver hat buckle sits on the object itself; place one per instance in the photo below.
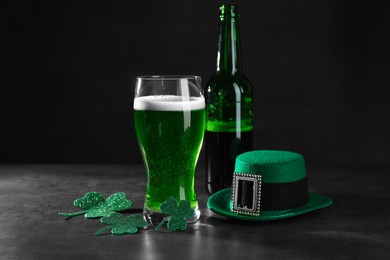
(246, 194)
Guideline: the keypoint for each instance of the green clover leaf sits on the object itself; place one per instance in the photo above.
(179, 214)
(95, 205)
(90, 200)
(121, 225)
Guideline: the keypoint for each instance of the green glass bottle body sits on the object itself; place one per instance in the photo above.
(229, 106)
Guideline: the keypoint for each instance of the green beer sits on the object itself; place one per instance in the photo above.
(170, 133)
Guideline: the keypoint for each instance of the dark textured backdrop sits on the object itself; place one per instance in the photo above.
(320, 70)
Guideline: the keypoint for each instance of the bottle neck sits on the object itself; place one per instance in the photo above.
(229, 49)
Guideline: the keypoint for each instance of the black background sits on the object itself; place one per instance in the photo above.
(320, 71)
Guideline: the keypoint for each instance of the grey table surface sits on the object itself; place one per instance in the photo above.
(356, 226)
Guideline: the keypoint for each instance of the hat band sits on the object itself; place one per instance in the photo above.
(249, 194)
(282, 196)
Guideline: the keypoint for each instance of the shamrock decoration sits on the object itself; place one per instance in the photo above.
(95, 205)
(178, 214)
(121, 225)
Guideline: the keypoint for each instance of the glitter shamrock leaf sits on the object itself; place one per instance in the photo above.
(121, 225)
(178, 214)
(95, 205)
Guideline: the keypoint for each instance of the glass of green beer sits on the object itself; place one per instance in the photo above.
(169, 113)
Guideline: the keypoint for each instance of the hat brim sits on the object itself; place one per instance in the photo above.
(220, 203)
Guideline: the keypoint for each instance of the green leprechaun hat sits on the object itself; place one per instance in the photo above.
(267, 185)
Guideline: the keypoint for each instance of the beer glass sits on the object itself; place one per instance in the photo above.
(169, 114)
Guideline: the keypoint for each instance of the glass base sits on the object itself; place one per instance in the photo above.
(155, 218)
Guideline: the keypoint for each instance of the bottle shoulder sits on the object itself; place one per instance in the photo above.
(227, 83)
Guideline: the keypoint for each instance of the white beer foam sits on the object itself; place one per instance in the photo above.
(168, 103)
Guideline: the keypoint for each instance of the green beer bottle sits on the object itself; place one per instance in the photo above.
(229, 108)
